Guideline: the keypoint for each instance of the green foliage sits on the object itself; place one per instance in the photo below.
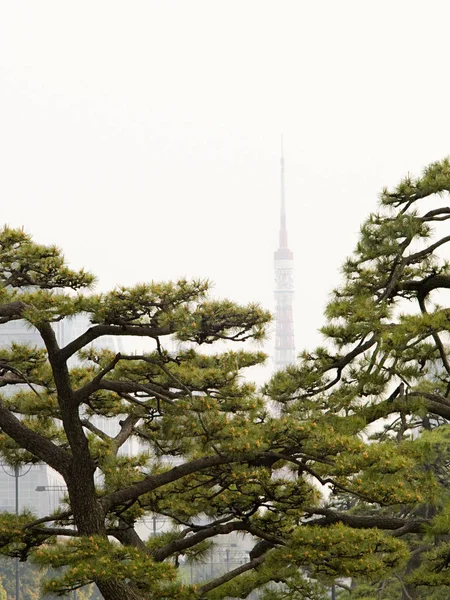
(24, 263)
(288, 584)
(383, 372)
(339, 550)
(94, 558)
(349, 479)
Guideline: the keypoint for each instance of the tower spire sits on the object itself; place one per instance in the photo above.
(283, 208)
(283, 227)
(284, 287)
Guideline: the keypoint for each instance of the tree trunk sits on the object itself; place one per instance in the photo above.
(89, 517)
(112, 589)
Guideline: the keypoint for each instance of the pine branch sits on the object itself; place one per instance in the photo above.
(33, 442)
(232, 574)
(153, 482)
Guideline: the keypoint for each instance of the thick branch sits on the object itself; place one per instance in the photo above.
(12, 310)
(232, 574)
(435, 215)
(33, 442)
(49, 519)
(97, 331)
(94, 429)
(426, 285)
(275, 540)
(126, 429)
(11, 379)
(435, 404)
(365, 521)
(127, 535)
(69, 409)
(426, 251)
(160, 554)
(153, 482)
(126, 387)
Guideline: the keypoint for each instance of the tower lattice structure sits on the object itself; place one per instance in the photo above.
(284, 290)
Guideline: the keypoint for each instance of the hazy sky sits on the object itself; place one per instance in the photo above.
(143, 137)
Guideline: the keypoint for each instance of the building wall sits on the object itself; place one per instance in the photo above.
(41, 476)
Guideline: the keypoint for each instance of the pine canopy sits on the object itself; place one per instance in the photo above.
(346, 481)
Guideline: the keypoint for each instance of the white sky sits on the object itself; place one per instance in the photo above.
(143, 137)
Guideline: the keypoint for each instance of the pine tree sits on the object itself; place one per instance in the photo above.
(214, 461)
(186, 407)
(348, 483)
(383, 376)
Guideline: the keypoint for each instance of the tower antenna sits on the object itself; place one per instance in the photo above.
(284, 287)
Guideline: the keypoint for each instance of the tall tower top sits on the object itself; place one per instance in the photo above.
(284, 289)
(283, 252)
(283, 207)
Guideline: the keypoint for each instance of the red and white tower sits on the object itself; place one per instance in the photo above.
(284, 290)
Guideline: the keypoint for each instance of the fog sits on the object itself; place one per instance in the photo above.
(144, 138)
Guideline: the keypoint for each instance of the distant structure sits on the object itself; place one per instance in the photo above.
(284, 289)
(23, 488)
(34, 479)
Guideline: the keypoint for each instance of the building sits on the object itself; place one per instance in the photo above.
(284, 290)
(22, 488)
(38, 487)
(68, 330)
